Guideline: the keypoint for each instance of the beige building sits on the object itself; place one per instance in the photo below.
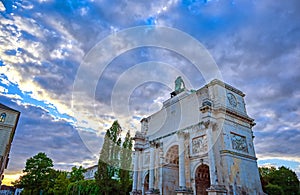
(200, 142)
(8, 123)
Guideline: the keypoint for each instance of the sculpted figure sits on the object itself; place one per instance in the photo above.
(179, 84)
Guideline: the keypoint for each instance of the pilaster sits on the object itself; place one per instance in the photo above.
(135, 171)
(161, 162)
(182, 190)
(215, 188)
(151, 169)
(182, 181)
(151, 190)
(139, 139)
(211, 156)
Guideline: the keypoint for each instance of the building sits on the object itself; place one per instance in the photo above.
(8, 123)
(90, 172)
(200, 142)
(7, 190)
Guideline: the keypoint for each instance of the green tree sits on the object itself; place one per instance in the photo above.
(37, 174)
(265, 173)
(286, 179)
(274, 189)
(77, 174)
(83, 187)
(60, 185)
(274, 180)
(109, 161)
(126, 159)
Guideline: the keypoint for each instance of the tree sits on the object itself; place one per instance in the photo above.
(265, 173)
(286, 179)
(77, 174)
(126, 160)
(37, 174)
(273, 189)
(109, 160)
(60, 185)
(275, 181)
(83, 187)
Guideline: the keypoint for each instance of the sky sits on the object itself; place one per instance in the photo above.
(73, 67)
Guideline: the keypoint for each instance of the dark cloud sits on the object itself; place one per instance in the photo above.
(37, 132)
(254, 43)
(278, 142)
(257, 51)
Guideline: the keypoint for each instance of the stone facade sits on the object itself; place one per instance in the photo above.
(200, 142)
(8, 123)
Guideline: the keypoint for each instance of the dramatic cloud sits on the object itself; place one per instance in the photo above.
(44, 43)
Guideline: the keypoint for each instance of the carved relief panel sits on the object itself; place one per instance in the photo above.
(236, 102)
(232, 99)
(199, 144)
(239, 142)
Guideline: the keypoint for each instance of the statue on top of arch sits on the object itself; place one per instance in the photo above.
(179, 85)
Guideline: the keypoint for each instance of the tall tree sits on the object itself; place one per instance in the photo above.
(126, 161)
(109, 160)
(37, 174)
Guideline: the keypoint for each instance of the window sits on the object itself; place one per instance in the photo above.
(2, 117)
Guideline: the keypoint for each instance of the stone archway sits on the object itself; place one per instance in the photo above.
(170, 171)
(146, 183)
(202, 180)
(172, 156)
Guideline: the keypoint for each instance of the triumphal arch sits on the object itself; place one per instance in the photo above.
(200, 142)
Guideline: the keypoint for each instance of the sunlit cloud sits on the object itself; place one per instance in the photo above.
(9, 178)
(2, 8)
(44, 42)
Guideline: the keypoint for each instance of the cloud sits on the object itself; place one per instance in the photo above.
(43, 44)
(290, 163)
(2, 8)
(262, 58)
(39, 132)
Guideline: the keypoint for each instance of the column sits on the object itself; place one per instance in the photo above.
(140, 176)
(182, 183)
(151, 170)
(211, 158)
(135, 173)
(161, 161)
(214, 188)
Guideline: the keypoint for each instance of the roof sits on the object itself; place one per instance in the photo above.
(7, 108)
(92, 167)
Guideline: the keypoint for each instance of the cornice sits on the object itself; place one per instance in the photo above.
(236, 114)
(237, 154)
(227, 86)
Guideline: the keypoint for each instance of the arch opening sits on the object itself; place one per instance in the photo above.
(171, 171)
(202, 179)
